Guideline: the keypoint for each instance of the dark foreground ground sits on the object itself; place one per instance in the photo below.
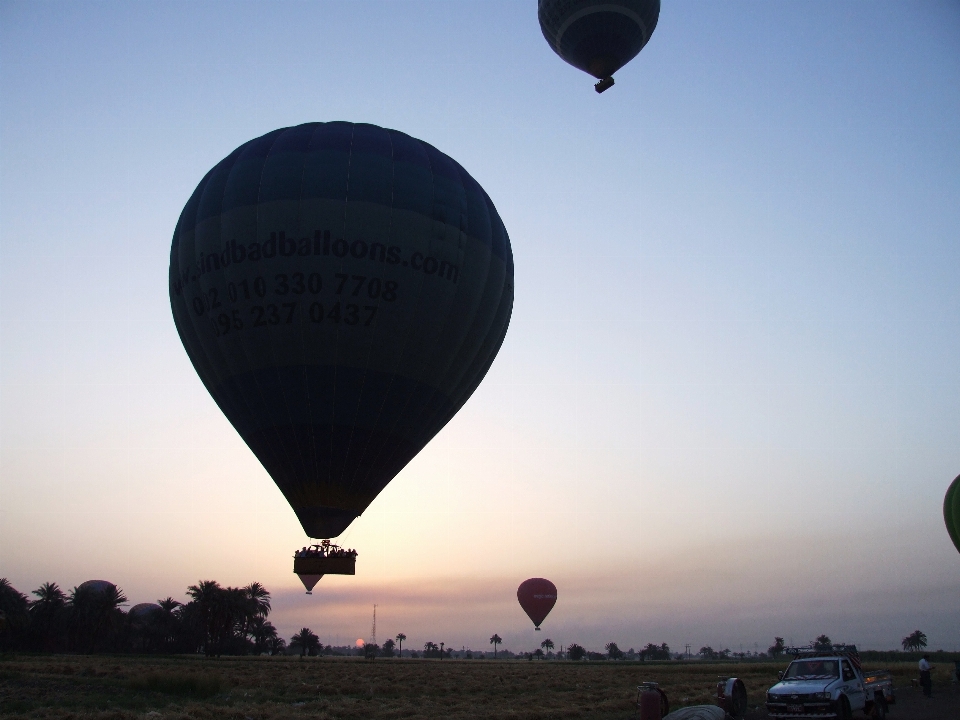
(151, 688)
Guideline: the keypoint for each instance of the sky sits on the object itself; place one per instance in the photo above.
(727, 406)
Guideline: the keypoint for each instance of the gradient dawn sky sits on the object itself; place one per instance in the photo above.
(727, 407)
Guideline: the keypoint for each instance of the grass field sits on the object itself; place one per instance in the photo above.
(264, 688)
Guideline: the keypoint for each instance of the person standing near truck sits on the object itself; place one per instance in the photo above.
(925, 682)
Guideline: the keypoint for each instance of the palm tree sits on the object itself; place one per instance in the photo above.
(95, 616)
(495, 640)
(206, 598)
(262, 631)
(276, 645)
(259, 597)
(306, 641)
(916, 640)
(13, 609)
(167, 620)
(46, 613)
(400, 638)
(547, 645)
(429, 647)
(257, 605)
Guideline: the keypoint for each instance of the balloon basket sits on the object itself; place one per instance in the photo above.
(604, 84)
(312, 563)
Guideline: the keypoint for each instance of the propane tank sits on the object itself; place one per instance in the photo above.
(732, 696)
(652, 702)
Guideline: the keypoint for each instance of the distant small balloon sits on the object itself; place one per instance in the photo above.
(951, 511)
(598, 37)
(537, 597)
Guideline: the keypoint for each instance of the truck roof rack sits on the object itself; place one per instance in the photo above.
(842, 650)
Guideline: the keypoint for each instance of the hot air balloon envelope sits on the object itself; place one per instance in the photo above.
(142, 611)
(537, 597)
(341, 290)
(951, 512)
(96, 586)
(598, 37)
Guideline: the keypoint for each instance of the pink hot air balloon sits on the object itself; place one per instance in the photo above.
(537, 597)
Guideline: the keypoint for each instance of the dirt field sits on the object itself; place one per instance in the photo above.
(151, 688)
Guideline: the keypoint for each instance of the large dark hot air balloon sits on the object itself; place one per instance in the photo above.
(598, 36)
(951, 511)
(537, 598)
(341, 290)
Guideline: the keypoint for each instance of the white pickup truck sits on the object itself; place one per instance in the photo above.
(829, 683)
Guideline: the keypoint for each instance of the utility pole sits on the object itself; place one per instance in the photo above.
(373, 631)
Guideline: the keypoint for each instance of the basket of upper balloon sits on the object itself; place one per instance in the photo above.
(325, 559)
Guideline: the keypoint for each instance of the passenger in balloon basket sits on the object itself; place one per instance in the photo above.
(323, 550)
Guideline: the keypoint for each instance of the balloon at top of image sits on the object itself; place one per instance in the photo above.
(951, 512)
(598, 37)
(341, 290)
(537, 596)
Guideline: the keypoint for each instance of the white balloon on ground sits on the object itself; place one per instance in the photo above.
(697, 712)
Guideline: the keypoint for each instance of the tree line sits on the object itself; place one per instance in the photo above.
(90, 618)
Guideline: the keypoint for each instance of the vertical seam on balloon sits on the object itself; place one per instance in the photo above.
(437, 416)
(269, 343)
(418, 439)
(303, 347)
(426, 414)
(435, 425)
(336, 343)
(241, 399)
(223, 377)
(353, 480)
(485, 357)
(272, 335)
(213, 374)
(413, 323)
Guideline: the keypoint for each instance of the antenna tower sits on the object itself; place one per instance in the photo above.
(373, 630)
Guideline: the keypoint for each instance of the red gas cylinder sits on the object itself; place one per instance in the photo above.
(650, 705)
(652, 702)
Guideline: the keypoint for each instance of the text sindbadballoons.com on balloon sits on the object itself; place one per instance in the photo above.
(279, 244)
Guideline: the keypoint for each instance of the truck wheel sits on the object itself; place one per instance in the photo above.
(879, 710)
(845, 712)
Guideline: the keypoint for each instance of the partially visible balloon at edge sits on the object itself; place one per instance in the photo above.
(951, 511)
(598, 37)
